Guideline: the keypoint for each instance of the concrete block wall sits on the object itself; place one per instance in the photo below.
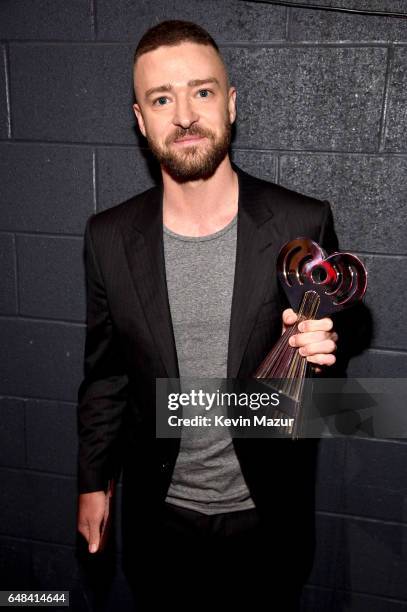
(321, 109)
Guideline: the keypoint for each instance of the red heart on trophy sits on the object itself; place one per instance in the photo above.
(339, 279)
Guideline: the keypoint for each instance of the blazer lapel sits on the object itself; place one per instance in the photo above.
(144, 247)
(256, 236)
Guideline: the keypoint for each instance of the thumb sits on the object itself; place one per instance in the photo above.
(289, 316)
(94, 537)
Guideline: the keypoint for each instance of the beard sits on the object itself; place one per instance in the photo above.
(193, 162)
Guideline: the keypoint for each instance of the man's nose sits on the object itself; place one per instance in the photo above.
(185, 115)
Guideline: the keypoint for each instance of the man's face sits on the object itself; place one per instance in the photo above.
(185, 108)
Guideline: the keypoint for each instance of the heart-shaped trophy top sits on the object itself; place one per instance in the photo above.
(339, 279)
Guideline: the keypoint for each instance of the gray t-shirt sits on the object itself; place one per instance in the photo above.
(200, 275)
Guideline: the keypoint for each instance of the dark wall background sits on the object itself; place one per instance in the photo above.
(322, 109)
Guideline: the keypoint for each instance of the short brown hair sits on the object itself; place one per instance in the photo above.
(171, 33)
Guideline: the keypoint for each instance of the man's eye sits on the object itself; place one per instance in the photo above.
(161, 101)
(204, 93)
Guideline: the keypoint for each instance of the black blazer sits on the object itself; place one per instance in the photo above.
(130, 343)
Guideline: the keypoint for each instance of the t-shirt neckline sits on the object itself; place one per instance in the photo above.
(212, 236)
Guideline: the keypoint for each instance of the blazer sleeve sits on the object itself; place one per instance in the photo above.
(328, 239)
(102, 395)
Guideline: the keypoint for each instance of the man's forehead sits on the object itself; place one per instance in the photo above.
(178, 64)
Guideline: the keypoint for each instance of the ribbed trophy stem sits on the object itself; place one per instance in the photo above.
(285, 363)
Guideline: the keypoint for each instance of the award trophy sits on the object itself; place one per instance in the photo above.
(316, 286)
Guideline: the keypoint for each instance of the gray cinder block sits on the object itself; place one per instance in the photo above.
(51, 277)
(4, 118)
(123, 172)
(8, 297)
(41, 359)
(372, 484)
(396, 125)
(378, 363)
(54, 192)
(308, 98)
(54, 422)
(72, 93)
(260, 164)
(45, 19)
(367, 193)
(12, 432)
(226, 21)
(316, 25)
(386, 300)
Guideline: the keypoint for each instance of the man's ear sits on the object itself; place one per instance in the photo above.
(139, 116)
(232, 104)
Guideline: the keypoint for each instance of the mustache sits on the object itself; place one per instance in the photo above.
(192, 131)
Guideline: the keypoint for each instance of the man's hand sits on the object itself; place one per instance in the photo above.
(93, 509)
(316, 340)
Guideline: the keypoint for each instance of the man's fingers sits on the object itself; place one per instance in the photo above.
(322, 359)
(91, 510)
(316, 348)
(94, 536)
(90, 532)
(311, 337)
(316, 339)
(310, 325)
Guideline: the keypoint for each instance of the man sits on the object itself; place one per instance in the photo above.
(181, 282)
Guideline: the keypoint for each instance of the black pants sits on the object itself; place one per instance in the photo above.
(223, 561)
